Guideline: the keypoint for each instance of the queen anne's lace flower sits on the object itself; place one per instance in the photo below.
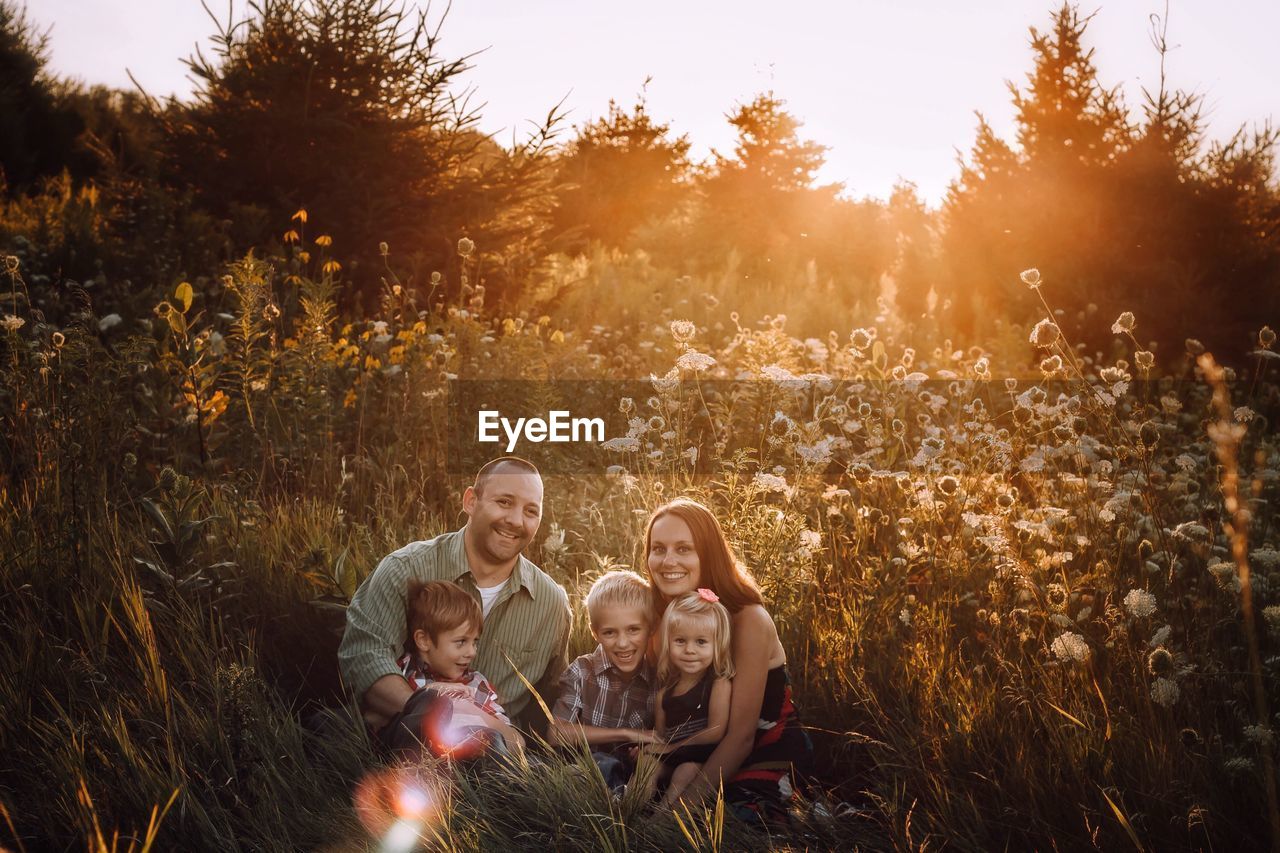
(1140, 603)
(1045, 333)
(1070, 647)
(1165, 692)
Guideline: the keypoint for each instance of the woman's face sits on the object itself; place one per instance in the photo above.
(673, 561)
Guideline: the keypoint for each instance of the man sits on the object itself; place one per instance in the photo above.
(526, 613)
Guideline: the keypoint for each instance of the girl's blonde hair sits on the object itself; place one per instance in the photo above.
(693, 605)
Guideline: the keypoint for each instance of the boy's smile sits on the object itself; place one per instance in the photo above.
(623, 633)
(449, 656)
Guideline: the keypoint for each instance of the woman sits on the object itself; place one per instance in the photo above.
(685, 549)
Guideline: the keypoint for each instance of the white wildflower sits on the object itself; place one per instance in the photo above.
(1070, 646)
(622, 444)
(1124, 323)
(1031, 277)
(683, 330)
(555, 544)
(1045, 333)
(1140, 603)
(109, 322)
(12, 323)
(1165, 692)
(1160, 637)
(695, 361)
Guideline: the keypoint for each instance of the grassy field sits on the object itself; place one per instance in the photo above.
(1030, 595)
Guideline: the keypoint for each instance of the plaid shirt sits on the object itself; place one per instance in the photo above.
(483, 696)
(594, 693)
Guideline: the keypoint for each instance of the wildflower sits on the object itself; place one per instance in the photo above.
(58, 340)
(1239, 764)
(1165, 692)
(1243, 415)
(1144, 359)
(435, 279)
(1161, 636)
(1112, 375)
(1160, 663)
(109, 322)
(466, 246)
(1070, 647)
(656, 423)
(1259, 735)
(861, 338)
(1056, 596)
(626, 404)
(1194, 347)
(1031, 277)
(683, 330)
(666, 383)
(379, 327)
(271, 312)
(695, 361)
(1149, 434)
(1271, 613)
(13, 324)
(982, 367)
(904, 616)
(1225, 575)
(1266, 337)
(948, 485)
(1045, 333)
(772, 483)
(557, 337)
(1140, 603)
(810, 542)
(555, 544)
(384, 249)
(1051, 365)
(622, 444)
(861, 473)
(1124, 323)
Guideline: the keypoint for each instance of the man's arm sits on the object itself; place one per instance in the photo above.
(375, 632)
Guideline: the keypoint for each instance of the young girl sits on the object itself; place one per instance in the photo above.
(694, 671)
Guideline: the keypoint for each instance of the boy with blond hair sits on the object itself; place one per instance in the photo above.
(606, 696)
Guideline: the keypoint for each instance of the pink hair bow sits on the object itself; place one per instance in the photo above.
(707, 595)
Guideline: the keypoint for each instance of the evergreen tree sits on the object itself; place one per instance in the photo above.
(344, 107)
(37, 130)
(618, 173)
(1117, 216)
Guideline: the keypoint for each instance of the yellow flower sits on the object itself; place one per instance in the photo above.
(557, 337)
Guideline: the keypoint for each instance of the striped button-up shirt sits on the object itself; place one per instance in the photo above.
(594, 693)
(526, 630)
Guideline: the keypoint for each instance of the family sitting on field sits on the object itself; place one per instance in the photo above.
(688, 665)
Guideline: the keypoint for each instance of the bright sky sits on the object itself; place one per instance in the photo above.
(890, 87)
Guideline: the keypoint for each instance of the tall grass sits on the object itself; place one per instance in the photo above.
(1001, 573)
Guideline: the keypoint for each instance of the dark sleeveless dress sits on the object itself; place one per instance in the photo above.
(782, 750)
(686, 715)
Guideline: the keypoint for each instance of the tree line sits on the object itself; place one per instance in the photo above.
(350, 109)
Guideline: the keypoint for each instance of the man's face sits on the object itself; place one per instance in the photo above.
(505, 514)
(623, 632)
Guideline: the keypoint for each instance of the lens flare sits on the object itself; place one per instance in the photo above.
(395, 805)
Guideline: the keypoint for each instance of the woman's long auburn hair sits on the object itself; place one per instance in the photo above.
(720, 570)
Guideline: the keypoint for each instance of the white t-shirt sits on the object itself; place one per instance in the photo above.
(488, 595)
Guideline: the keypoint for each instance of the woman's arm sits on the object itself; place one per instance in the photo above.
(565, 733)
(754, 643)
